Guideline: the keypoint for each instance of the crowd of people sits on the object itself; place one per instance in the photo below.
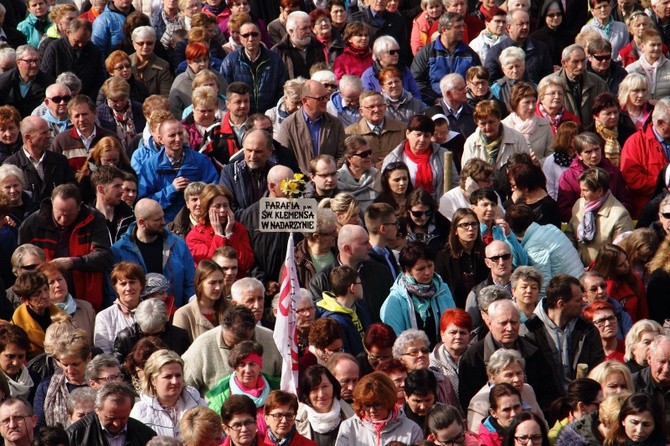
(490, 257)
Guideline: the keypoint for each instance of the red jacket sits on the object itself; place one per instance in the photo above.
(642, 159)
(634, 304)
(628, 56)
(565, 117)
(202, 242)
(259, 441)
(352, 61)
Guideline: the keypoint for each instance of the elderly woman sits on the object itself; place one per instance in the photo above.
(528, 186)
(386, 53)
(321, 410)
(164, 397)
(477, 87)
(455, 328)
(217, 227)
(504, 366)
(638, 22)
(377, 420)
(638, 341)
(513, 64)
(72, 356)
(603, 315)
(395, 185)
(492, 141)
(118, 63)
(653, 64)
(401, 105)
(12, 184)
(234, 24)
(357, 175)
(614, 378)
(287, 105)
(128, 279)
(634, 99)
(189, 215)
(36, 312)
(201, 426)
(7, 59)
(598, 217)
(603, 22)
(563, 153)
(526, 285)
(196, 124)
(551, 102)
(17, 377)
(119, 113)
(331, 40)
(378, 342)
(26, 257)
(356, 57)
(535, 129)
(10, 136)
(148, 68)
(612, 124)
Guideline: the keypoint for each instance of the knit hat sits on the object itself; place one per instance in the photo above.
(156, 283)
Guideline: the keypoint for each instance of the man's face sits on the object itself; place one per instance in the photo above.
(305, 313)
(519, 28)
(575, 65)
(153, 225)
(129, 192)
(573, 307)
(350, 97)
(601, 61)
(456, 6)
(16, 426)
(123, 5)
(256, 151)
(317, 101)
(112, 192)
(505, 325)
(499, 260)
(347, 374)
(65, 211)
(11, 359)
(325, 177)
(250, 37)
(170, 137)
(361, 160)
(662, 9)
(360, 248)
(106, 375)
(238, 105)
(421, 404)
(29, 66)
(78, 39)
(114, 414)
(659, 362)
(83, 118)
(485, 210)
(39, 137)
(300, 36)
(377, 5)
(458, 95)
(454, 33)
(56, 101)
(595, 288)
(373, 109)
(253, 300)
(230, 268)
(81, 410)
(238, 332)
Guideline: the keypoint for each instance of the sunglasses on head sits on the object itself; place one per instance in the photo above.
(505, 257)
(365, 154)
(419, 214)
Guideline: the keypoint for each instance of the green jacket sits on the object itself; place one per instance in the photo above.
(218, 394)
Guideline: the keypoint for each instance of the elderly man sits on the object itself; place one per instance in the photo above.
(249, 292)
(323, 176)
(583, 86)
(645, 154)
(165, 175)
(347, 372)
(108, 26)
(111, 422)
(17, 422)
(42, 169)
(503, 323)
(447, 54)
(280, 154)
(655, 379)
(57, 97)
(344, 104)
(258, 67)
(246, 178)
(206, 361)
(454, 105)
(311, 131)
(75, 238)
(660, 14)
(538, 59)
(77, 54)
(157, 250)
(357, 175)
(25, 86)
(354, 248)
(601, 64)
(383, 134)
(299, 49)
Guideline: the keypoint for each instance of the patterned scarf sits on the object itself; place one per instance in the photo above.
(216, 10)
(125, 127)
(55, 401)
(612, 146)
(555, 121)
(562, 158)
(606, 29)
(284, 441)
(586, 230)
(69, 305)
(492, 147)
(424, 174)
(420, 293)
(257, 395)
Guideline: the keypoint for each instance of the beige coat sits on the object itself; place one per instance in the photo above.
(191, 319)
(612, 220)
(513, 142)
(479, 406)
(393, 133)
(540, 140)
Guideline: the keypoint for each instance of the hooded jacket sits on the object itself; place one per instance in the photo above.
(352, 61)
(354, 321)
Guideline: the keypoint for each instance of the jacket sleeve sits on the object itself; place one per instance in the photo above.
(470, 377)
(416, 41)
(567, 196)
(165, 81)
(633, 166)
(392, 314)
(242, 244)
(103, 338)
(48, 64)
(492, 64)
(38, 402)
(100, 35)
(338, 67)
(148, 187)
(201, 247)
(420, 73)
(100, 257)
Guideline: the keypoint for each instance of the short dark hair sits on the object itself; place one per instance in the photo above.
(235, 405)
(28, 283)
(420, 382)
(67, 191)
(341, 278)
(441, 417)
(519, 217)
(238, 316)
(311, 378)
(242, 350)
(237, 88)
(484, 193)
(104, 175)
(50, 435)
(412, 253)
(375, 214)
(560, 288)
(603, 101)
(500, 390)
(527, 176)
(13, 334)
(421, 123)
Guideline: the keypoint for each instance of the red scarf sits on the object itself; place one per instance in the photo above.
(424, 174)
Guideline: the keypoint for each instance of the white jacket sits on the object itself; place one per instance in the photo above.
(357, 432)
(108, 323)
(513, 142)
(149, 411)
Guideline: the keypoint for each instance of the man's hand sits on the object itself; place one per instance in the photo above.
(180, 183)
(63, 262)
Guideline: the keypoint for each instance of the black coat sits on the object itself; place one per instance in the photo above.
(176, 338)
(10, 91)
(394, 26)
(538, 59)
(89, 432)
(296, 64)
(88, 65)
(57, 171)
(15, 38)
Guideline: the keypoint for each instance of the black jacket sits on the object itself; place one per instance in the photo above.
(57, 171)
(15, 38)
(88, 65)
(89, 432)
(176, 338)
(10, 92)
(393, 25)
(538, 60)
(296, 64)
(643, 382)
(612, 77)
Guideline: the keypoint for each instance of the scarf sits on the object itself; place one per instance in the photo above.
(127, 312)
(555, 121)
(21, 386)
(41, 25)
(612, 146)
(562, 158)
(395, 103)
(492, 147)
(216, 10)
(420, 293)
(424, 174)
(69, 305)
(323, 423)
(606, 29)
(526, 126)
(261, 393)
(57, 123)
(650, 71)
(284, 441)
(587, 227)
(55, 401)
(380, 425)
(125, 127)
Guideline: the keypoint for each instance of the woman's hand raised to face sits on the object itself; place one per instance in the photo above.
(215, 222)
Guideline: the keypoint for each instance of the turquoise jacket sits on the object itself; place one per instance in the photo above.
(519, 256)
(27, 27)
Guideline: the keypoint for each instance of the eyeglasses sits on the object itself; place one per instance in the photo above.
(108, 379)
(31, 61)
(365, 154)
(602, 58)
(375, 106)
(456, 441)
(246, 423)
(277, 416)
(524, 439)
(323, 98)
(602, 322)
(122, 68)
(253, 34)
(665, 214)
(372, 357)
(334, 350)
(375, 406)
(496, 259)
(15, 418)
(554, 15)
(393, 52)
(468, 224)
(417, 353)
(419, 214)
(59, 99)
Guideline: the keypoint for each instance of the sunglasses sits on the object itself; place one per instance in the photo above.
(419, 214)
(365, 154)
(59, 99)
(505, 257)
(393, 52)
(331, 86)
(602, 58)
(30, 267)
(554, 15)
(665, 215)
(253, 34)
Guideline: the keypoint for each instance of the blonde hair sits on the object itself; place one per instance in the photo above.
(115, 86)
(204, 96)
(342, 203)
(635, 333)
(153, 367)
(603, 370)
(608, 411)
(205, 75)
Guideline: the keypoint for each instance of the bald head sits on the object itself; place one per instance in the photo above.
(348, 234)
(275, 177)
(31, 124)
(495, 246)
(146, 208)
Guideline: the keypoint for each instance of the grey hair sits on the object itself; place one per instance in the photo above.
(117, 391)
(303, 293)
(245, 284)
(24, 50)
(8, 52)
(631, 82)
(635, 333)
(568, 50)
(383, 43)
(7, 170)
(98, 363)
(325, 219)
(194, 188)
(324, 76)
(71, 80)
(448, 19)
(526, 273)
(3, 10)
(664, 202)
(661, 110)
(351, 82)
(78, 397)
(498, 304)
(295, 17)
(164, 440)
(151, 315)
(510, 15)
(549, 81)
(448, 82)
(511, 54)
(293, 87)
(490, 294)
(503, 358)
(143, 31)
(658, 340)
(407, 337)
(23, 250)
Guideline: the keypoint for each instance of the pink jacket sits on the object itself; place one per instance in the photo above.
(202, 242)
(421, 32)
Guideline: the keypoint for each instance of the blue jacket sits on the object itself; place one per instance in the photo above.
(157, 174)
(398, 308)
(178, 265)
(145, 150)
(108, 29)
(352, 337)
(27, 27)
(266, 77)
(371, 82)
(433, 62)
(519, 256)
(346, 115)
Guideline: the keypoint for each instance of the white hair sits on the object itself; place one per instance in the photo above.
(143, 31)
(661, 110)
(295, 17)
(568, 50)
(324, 76)
(512, 54)
(448, 82)
(245, 284)
(383, 43)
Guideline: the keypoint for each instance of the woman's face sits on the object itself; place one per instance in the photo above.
(204, 114)
(641, 347)
(552, 99)
(422, 271)
(111, 157)
(614, 383)
(489, 126)
(513, 69)
(392, 6)
(9, 132)
(455, 340)
(526, 107)
(392, 86)
(390, 57)
(589, 195)
(591, 156)
(39, 301)
(119, 103)
(375, 411)
(74, 367)
(281, 426)
(638, 25)
(419, 142)
(57, 288)
(512, 375)
(398, 181)
(11, 186)
(128, 290)
(247, 372)
(199, 64)
(602, 11)
(322, 28)
(420, 214)
(321, 396)
(169, 381)
(338, 15)
(606, 323)
(64, 21)
(193, 206)
(652, 48)
(434, 10)
(221, 206)
(637, 96)
(398, 377)
(360, 40)
(213, 285)
(415, 356)
(554, 17)
(467, 229)
(508, 406)
(344, 218)
(478, 87)
(639, 426)
(239, 6)
(608, 117)
(377, 354)
(129, 192)
(530, 431)
(622, 266)
(526, 292)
